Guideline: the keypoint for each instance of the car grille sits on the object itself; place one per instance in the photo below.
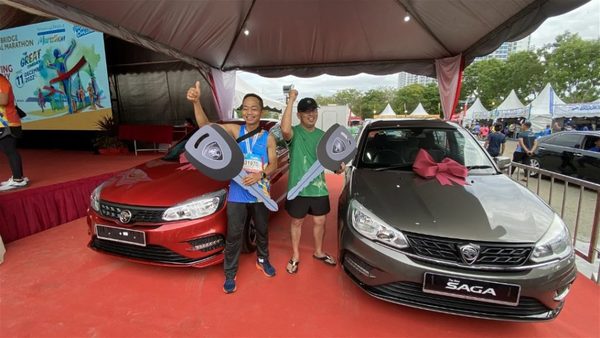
(412, 294)
(138, 214)
(490, 254)
(151, 253)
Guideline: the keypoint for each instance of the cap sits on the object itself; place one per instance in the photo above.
(307, 104)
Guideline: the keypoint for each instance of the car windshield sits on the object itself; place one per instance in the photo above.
(396, 148)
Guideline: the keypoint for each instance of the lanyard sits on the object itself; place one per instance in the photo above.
(249, 146)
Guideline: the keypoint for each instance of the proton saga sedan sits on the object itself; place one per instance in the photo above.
(157, 213)
(490, 248)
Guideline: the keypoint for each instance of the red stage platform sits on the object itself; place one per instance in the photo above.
(59, 189)
(52, 285)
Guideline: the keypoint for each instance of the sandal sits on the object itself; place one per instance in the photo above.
(327, 259)
(292, 266)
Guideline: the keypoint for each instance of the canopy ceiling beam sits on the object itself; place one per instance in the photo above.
(410, 10)
(237, 35)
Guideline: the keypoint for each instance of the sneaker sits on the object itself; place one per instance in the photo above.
(23, 182)
(229, 286)
(266, 267)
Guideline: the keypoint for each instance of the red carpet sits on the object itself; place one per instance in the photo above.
(52, 285)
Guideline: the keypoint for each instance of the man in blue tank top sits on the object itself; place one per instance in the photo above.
(260, 160)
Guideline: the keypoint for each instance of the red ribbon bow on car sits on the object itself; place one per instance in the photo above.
(445, 172)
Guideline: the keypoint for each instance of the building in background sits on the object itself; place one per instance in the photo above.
(508, 48)
(405, 79)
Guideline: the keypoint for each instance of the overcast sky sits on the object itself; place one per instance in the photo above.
(584, 21)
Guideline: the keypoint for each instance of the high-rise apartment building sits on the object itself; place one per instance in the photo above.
(405, 79)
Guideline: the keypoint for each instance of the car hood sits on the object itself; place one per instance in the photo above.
(490, 208)
(158, 183)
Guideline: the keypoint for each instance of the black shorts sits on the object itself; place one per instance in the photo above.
(300, 206)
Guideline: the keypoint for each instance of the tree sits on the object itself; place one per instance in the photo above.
(373, 102)
(488, 80)
(573, 67)
(408, 98)
(526, 74)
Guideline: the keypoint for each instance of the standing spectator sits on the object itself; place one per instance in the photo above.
(556, 127)
(526, 147)
(485, 130)
(547, 131)
(476, 129)
(496, 141)
(314, 199)
(10, 130)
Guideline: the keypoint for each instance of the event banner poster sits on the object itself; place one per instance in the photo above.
(58, 73)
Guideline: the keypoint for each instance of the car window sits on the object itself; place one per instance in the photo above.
(566, 140)
(398, 147)
(278, 135)
(589, 142)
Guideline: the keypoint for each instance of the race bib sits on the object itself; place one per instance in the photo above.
(253, 163)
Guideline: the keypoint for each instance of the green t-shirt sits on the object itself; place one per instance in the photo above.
(303, 154)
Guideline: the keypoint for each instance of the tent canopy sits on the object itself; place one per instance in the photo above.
(419, 111)
(307, 38)
(387, 112)
(511, 107)
(477, 112)
(544, 103)
(242, 88)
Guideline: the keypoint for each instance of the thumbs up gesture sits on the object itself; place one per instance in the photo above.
(193, 94)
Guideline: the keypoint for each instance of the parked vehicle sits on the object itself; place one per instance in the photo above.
(157, 213)
(569, 153)
(489, 249)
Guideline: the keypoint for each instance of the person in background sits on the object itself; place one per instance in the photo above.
(10, 130)
(596, 146)
(556, 127)
(496, 141)
(260, 161)
(527, 145)
(485, 130)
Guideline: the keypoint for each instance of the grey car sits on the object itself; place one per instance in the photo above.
(489, 249)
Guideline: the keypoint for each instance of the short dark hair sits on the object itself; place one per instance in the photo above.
(498, 126)
(527, 123)
(260, 100)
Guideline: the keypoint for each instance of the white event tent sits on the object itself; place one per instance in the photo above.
(541, 109)
(477, 112)
(386, 113)
(511, 107)
(242, 88)
(419, 111)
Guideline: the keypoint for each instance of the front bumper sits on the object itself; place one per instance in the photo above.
(390, 275)
(167, 244)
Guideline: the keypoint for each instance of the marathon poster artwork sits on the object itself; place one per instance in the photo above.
(58, 73)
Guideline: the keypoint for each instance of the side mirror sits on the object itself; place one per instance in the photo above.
(503, 162)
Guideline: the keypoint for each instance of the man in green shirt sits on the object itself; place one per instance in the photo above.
(313, 200)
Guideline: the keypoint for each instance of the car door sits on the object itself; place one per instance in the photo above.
(589, 161)
(557, 153)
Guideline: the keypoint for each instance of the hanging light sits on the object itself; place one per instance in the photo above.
(407, 18)
(246, 32)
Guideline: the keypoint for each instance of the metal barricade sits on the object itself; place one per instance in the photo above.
(531, 174)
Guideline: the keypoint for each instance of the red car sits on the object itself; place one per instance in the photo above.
(157, 213)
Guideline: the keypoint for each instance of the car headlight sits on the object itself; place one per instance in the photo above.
(555, 244)
(370, 226)
(95, 198)
(197, 207)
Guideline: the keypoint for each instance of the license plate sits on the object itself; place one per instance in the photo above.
(483, 291)
(121, 235)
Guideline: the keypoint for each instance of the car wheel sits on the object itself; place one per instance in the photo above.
(249, 236)
(533, 162)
